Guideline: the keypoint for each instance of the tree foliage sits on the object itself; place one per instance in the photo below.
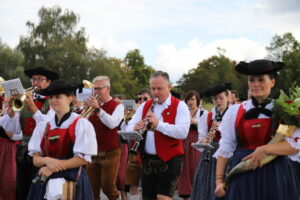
(54, 42)
(286, 48)
(215, 69)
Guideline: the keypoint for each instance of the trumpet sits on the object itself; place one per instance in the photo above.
(17, 102)
(136, 144)
(89, 110)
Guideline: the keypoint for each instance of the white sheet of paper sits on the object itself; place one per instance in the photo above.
(129, 104)
(13, 87)
(84, 95)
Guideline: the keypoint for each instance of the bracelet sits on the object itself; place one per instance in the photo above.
(219, 177)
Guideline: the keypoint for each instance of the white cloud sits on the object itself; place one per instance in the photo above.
(178, 61)
(112, 46)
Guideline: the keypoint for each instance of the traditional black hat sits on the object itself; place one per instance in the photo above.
(41, 71)
(59, 87)
(217, 89)
(259, 67)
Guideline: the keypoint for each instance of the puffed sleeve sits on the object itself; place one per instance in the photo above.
(294, 141)
(85, 143)
(34, 145)
(228, 142)
(12, 124)
(202, 125)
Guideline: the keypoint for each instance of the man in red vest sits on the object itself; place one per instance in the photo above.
(35, 105)
(107, 116)
(161, 150)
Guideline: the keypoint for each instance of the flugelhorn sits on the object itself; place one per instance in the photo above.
(17, 102)
(136, 144)
(89, 110)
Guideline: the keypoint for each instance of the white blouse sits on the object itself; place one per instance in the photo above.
(202, 124)
(85, 142)
(228, 142)
(12, 124)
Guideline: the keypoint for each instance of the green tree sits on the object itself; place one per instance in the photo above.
(140, 71)
(215, 69)
(54, 42)
(286, 48)
(11, 63)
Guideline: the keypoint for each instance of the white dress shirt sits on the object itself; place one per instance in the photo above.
(113, 120)
(12, 124)
(179, 130)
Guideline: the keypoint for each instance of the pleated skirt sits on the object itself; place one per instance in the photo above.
(205, 176)
(191, 159)
(83, 186)
(275, 180)
(8, 169)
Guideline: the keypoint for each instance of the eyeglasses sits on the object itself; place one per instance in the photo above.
(140, 98)
(100, 88)
(37, 79)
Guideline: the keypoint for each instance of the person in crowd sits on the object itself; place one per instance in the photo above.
(234, 97)
(35, 106)
(246, 130)
(192, 155)
(60, 147)
(208, 125)
(132, 175)
(161, 150)
(143, 95)
(106, 118)
(10, 133)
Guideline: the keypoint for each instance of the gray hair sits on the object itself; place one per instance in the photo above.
(157, 74)
(100, 78)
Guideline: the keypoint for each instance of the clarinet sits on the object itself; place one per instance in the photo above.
(217, 118)
(135, 147)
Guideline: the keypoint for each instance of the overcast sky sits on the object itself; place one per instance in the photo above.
(173, 35)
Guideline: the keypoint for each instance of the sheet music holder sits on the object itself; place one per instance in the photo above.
(130, 135)
(199, 146)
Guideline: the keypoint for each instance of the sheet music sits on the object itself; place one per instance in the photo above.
(84, 95)
(13, 87)
(130, 135)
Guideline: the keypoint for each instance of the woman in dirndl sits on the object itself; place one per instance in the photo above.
(204, 179)
(246, 129)
(191, 155)
(10, 134)
(60, 147)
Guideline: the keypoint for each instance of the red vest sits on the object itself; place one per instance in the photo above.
(252, 133)
(26, 120)
(107, 138)
(166, 147)
(58, 143)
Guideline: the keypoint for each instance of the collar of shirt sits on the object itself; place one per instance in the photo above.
(102, 103)
(167, 102)
(38, 96)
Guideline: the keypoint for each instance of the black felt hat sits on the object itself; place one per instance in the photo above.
(217, 89)
(259, 67)
(59, 87)
(42, 71)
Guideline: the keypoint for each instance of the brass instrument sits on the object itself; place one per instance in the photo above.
(17, 102)
(89, 110)
(136, 144)
(2, 91)
(128, 115)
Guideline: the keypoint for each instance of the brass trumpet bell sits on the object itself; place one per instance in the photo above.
(17, 102)
(1, 88)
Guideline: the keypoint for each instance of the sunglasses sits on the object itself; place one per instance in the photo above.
(140, 98)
